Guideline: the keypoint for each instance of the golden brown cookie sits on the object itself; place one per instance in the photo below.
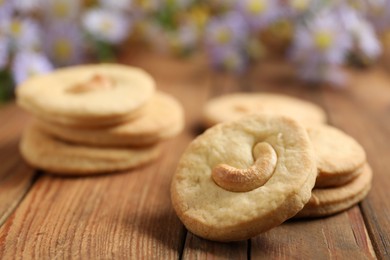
(161, 118)
(328, 201)
(46, 152)
(241, 178)
(236, 105)
(87, 94)
(338, 155)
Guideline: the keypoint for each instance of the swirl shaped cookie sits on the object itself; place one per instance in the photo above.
(241, 178)
(161, 118)
(87, 95)
(234, 106)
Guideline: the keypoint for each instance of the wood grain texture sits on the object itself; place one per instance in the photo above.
(129, 215)
(16, 176)
(334, 237)
(342, 236)
(198, 248)
(122, 216)
(353, 117)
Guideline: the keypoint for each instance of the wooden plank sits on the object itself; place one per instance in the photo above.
(125, 216)
(16, 177)
(286, 241)
(198, 248)
(355, 118)
(323, 238)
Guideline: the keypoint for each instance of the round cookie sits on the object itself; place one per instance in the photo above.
(161, 118)
(236, 105)
(87, 94)
(45, 152)
(241, 178)
(338, 155)
(329, 201)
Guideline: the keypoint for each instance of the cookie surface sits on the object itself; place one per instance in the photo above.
(88, 94)
(234, 152)
(161, 118)
(234, 106)
(328, 201)
(45, 152)
(338, 155)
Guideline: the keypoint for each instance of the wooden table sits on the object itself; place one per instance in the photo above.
(129, 215)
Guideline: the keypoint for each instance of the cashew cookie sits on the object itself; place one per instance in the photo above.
(234, 106)
(241, 178)
(339, 157)
(161, 118)
(328, 201)
(50, 154)
(87, 95)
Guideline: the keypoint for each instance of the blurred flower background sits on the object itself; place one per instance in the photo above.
(318, 36)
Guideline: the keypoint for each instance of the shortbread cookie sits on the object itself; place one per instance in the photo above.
(329, 201)
(45, 152)
(233, 106)
(87, 95)
(244, 177)
(160, 119)
(338, 155)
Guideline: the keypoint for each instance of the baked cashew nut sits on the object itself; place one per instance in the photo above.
(96, 82)
(242, 180)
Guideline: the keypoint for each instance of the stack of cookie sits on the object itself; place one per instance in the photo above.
(95, 119)
(344, 176)
(275, 160)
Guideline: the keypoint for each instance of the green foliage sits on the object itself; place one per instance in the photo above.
(6, 86)
(104, 51)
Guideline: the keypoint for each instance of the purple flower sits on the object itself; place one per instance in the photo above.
(6, 9)
(363, 34)
(229, 29)
(259, 13)
(64, 43)
(27, 6)
(378, 11)
(61, 10)
(228, 58)
(184, 38)
(24, 33)
(320, 46)
(27, 64)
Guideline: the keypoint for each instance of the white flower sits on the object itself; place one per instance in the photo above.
(24, 33)
(28, 64)
(117, 5)
(106, 25)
